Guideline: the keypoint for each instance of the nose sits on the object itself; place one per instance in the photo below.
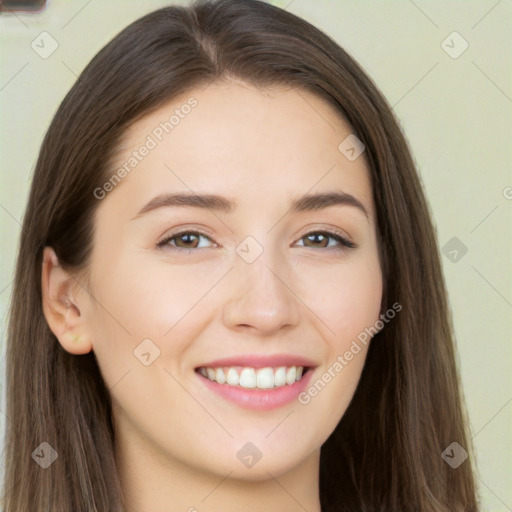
(262, 299)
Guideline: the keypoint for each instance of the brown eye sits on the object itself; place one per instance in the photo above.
(320, 240)
(185, 240)
(317, 239)
(189, 240)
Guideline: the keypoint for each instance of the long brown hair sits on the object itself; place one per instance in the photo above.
(386, 452)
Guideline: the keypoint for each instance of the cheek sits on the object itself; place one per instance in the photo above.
(146, 298)
(346, 297)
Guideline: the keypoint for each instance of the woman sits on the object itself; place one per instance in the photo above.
(228, 293)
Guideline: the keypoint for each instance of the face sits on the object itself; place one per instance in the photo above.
(253, 286)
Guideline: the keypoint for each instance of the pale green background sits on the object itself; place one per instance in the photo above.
(456, 114)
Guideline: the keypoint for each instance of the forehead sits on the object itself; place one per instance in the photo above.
(236, 139)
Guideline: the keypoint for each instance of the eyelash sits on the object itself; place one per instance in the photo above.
(344, 243)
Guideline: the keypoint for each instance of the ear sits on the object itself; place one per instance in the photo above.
(60, 308)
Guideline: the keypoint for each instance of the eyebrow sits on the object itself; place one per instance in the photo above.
(309, 202)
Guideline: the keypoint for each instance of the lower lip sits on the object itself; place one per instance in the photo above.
(259, 399)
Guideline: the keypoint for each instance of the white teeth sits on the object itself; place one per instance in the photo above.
(261, 378)
(220, 377)
(232, 377)
(291, 374)
(280, 376)
(265, 378)
(248, 378)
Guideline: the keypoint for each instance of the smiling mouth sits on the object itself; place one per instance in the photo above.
(254, 378)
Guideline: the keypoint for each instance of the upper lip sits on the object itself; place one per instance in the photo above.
(260, 361)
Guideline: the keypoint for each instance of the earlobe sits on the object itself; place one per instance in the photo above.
(60, 308)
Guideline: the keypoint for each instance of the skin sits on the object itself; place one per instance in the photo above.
(177, 441)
